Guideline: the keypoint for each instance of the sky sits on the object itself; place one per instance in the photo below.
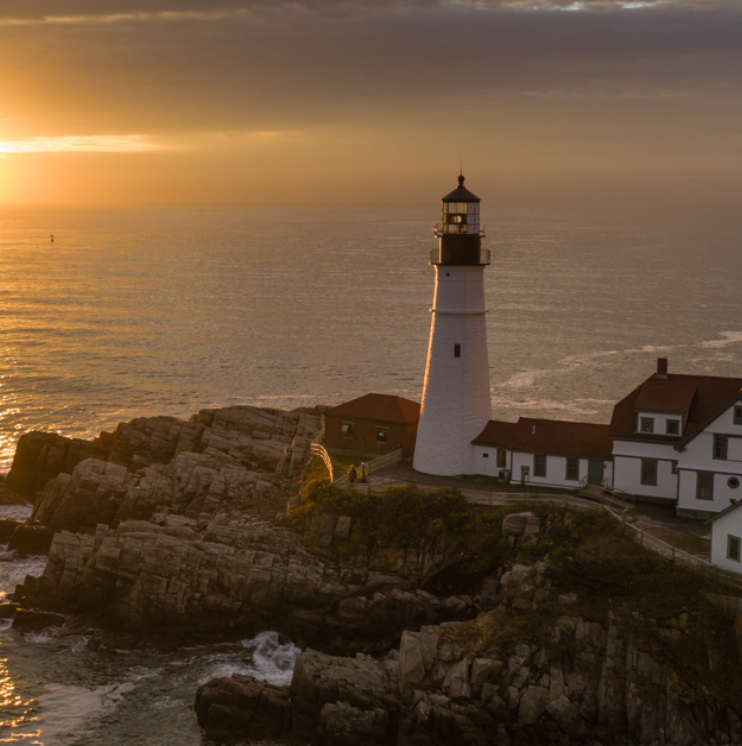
(369, 102)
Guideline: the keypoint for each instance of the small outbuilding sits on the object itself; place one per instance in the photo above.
(553, 453)
(726, 538)
(372, 425)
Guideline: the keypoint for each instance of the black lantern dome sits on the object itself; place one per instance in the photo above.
(460, 234)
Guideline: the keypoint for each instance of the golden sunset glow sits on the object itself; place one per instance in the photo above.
(250, 101)
(86, 144)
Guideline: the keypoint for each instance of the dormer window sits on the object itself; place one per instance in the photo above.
(738, 415)
(672, 427)
(646, 424)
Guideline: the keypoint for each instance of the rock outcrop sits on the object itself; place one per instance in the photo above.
(261, 441)
(589, 685)
(229, 573)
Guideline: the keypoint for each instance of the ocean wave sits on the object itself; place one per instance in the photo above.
(728, 338)
(267, 660)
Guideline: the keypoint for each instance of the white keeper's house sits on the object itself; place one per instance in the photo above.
(726, 538)
(675, 439)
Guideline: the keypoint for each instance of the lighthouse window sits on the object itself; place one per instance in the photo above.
(457, 350)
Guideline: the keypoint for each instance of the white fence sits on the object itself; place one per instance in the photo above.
(381, 462)
(318, 450)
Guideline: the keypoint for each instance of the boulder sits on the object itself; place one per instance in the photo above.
(515, 524)
(31, 539)
(241, 707)
(567, 717)
(7, 610)
(7, 529)
(40, 457)
(30, 620)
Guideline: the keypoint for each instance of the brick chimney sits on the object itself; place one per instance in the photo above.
(661, 367)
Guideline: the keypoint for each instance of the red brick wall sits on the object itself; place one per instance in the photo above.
(363, 439)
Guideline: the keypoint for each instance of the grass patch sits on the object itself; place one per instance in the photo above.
(405, 520)
(690, 543)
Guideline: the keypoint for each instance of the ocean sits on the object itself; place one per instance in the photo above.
(132, 312)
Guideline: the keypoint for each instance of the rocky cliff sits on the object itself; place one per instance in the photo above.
(487, 625)
(170, 533)
(625, 651)
(260, 441)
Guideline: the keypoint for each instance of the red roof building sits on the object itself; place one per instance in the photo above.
(548, 452)
(372, 425)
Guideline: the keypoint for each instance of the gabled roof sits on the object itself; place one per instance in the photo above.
(672, 394)
(711, 396)
(732, 507)
(382, 407)
(552, 437)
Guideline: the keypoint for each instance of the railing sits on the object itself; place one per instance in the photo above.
(318, 450)
(616, 492)
(380, 462)
(606, 492)
(439, 231)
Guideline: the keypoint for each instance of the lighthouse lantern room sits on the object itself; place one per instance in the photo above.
(456, 401)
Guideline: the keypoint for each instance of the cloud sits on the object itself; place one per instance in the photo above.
(79, 12)
(82, 144)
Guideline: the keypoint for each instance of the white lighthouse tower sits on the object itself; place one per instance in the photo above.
(456, 395)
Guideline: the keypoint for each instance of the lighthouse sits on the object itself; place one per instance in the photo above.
(456, 401)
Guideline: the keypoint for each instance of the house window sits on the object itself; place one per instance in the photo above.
(348, 430)
(646, 424)
(486, 455)
(649, 472)
(733, 483)
(733, 547)
(539, 465)
(720, 446)
(704, 485)
(380, 435)
(502, 458)
(457, 350)
(672, 427)
(738, 415)
(573, 469)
